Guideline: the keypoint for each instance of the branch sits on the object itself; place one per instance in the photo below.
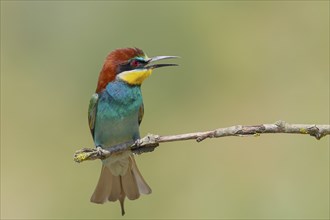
(151, 141)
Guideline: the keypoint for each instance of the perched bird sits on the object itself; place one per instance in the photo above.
(115, 113)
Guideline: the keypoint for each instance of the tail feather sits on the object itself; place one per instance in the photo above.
(144, 188)
(117, 192)
(129, 185)
(103, 187)
(121, 201)
(113, 188)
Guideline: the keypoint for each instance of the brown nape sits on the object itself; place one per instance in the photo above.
(116, 57)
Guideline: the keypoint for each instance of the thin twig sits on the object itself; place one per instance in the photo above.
(151, 141)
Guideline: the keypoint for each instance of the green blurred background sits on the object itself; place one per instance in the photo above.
(242, 63)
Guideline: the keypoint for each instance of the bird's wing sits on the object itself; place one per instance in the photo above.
(141, 113)
(92, 109)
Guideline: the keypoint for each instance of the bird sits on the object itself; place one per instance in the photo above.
(114, 115)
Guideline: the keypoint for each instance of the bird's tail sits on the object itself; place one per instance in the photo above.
(113, 188)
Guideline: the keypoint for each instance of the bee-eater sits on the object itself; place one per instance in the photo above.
(115, 113)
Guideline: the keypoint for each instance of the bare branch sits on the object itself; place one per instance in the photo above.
(151, 141)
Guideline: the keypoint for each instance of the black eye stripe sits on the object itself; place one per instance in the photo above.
(142, 61)
(128, 65)
(124, 67)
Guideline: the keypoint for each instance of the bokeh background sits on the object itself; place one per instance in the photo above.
(242, 63)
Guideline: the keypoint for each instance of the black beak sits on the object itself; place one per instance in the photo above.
(153, 59)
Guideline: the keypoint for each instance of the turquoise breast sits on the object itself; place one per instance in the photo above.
(117, 114)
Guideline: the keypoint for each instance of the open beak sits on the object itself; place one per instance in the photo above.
(153, 59)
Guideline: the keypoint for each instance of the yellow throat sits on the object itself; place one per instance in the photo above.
(136, 76)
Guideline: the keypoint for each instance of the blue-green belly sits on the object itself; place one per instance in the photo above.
(117, 115)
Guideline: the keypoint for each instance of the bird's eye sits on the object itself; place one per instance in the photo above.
(134, 63)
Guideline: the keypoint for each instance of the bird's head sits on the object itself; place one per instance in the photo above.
(131, 65)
